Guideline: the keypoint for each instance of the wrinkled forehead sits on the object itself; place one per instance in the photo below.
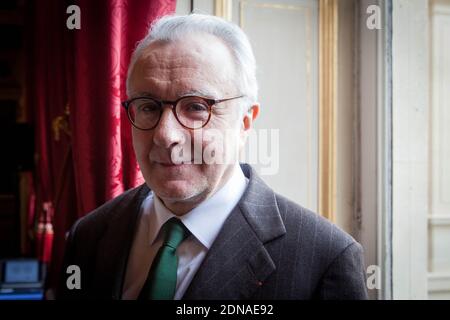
(196, 62)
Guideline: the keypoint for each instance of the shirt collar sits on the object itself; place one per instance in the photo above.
(206, 220)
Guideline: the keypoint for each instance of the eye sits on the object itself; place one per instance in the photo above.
(148, 108)
(196, 107)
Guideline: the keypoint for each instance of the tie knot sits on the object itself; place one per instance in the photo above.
(174, 233)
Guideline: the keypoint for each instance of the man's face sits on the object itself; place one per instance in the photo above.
(200, 65)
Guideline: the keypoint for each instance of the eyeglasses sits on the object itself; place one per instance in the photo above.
(192, 112)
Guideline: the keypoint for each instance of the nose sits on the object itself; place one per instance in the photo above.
(168, 132)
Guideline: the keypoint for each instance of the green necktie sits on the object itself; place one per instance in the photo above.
(162, 278)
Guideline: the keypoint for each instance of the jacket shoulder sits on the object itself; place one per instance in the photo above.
(84, 239)
(95, 222)
(324, 237)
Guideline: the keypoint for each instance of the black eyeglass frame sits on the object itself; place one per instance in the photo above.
(209, 102)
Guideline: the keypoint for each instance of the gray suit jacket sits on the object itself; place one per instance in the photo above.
(268, 248)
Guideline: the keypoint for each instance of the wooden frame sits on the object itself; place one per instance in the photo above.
(223, 9)
(328, 34)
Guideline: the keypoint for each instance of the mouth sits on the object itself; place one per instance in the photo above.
(169, 164)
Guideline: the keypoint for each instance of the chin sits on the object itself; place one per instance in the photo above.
(175, 190)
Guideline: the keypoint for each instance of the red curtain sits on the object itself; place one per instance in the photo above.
(76, 81)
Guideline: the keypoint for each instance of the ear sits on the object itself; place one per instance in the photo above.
(250, 116)
(247, 122)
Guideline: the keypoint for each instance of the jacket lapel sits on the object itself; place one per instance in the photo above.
(238, 262)
(116, 244)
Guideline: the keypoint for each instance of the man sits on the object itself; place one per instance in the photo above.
(203, 226)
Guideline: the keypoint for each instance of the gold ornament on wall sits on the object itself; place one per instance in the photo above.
(61, 124)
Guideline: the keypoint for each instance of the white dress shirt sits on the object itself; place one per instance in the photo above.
(204, 222)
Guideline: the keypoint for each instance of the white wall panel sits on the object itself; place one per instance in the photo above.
(439, 218)
(284, 37)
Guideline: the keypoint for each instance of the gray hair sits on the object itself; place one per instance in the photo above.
(172, 28)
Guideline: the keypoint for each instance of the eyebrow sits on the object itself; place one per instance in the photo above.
(197, 92)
